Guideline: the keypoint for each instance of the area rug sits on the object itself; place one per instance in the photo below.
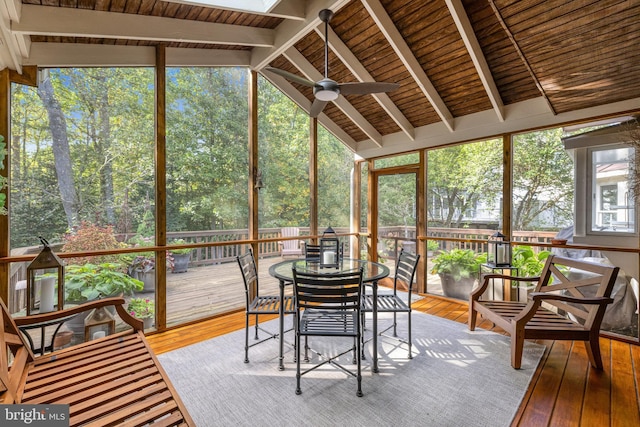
(456, 378)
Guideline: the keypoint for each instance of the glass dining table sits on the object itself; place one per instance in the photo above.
(372, 273)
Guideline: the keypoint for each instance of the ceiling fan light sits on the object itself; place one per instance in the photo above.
(326, 95)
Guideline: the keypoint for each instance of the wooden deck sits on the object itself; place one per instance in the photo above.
(563, 392)
(212, 290)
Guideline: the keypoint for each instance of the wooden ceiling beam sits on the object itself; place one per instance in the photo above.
(399, 45)
(96, 55)
(310, 72)
(470, 40)
(299, 99)
(360, 72)
(66, 22)
(290, 32)
(10, 52)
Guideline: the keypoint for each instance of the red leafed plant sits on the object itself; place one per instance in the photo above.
(91, 237)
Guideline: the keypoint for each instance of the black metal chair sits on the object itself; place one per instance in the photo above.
(257, 304)
(312, 252)
(329, 305)
(393, 303)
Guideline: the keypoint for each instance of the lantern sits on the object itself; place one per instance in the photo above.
(45, 275)
(98, 324)
(499, 250)
(329, 245)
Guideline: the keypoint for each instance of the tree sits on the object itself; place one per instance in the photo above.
(542, 181)
(61, 151)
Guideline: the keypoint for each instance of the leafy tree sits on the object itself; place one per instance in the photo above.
(542, 181)
(460, 179)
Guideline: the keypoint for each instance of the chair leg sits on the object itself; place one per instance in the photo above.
(593, 351)
(517, 346)
(298, 375)
(246, 338)
(256, 327)
(473, 315)
(359, 363)
(395, 324)
(409, 333)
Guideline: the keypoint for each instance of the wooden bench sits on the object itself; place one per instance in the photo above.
(561, 307)
(115, 380)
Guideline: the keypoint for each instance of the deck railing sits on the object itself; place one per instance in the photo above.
(392, 240)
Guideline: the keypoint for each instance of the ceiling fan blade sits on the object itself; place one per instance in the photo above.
(317, 107)
(290, 76)
(365, 88)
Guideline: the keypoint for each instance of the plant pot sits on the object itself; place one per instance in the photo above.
(149, 280)
(459, 289)
(148, 323)
(181, 262)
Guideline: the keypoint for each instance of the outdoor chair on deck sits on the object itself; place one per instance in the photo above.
(329, 305)
(257, 304)
(393, 303)
(290, 247)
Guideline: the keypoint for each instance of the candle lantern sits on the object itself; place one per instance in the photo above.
(329, 245)
(499, 250)
(98, 324)
(45, 276)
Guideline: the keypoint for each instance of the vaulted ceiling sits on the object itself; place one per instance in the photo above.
(467, 69)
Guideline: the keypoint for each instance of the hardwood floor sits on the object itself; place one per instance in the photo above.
(564, 391)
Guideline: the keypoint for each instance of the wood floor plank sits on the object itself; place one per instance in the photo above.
(568, 408)
(624, 404)
(597, 405)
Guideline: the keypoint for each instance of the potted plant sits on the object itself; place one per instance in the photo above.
(143, 309)
(89, 282)
(178, 259)
(142, 265)
(93, 281)
(458, 270)
(432, 247)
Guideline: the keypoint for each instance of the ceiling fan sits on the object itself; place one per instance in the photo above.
(326, 89)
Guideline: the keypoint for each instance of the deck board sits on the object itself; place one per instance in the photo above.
(564, 390)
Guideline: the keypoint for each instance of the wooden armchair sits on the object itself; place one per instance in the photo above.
(557, 309)
(112, 380)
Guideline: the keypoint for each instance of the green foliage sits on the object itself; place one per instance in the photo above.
(529, 263)
(432, 245)
(542, 181)
(90, 281)
(147, 226)
(460, 178)
(460, 263)
(141, 308)
(91, 237)
(179, 251)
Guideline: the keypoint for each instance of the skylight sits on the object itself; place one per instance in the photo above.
(255, 6)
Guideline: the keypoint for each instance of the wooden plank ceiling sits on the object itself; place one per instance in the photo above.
(466, 68)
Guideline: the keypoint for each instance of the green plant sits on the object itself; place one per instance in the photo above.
(182, 250)
(92, 281)
(529, 263)
(432, 245)
(142, 308)
(459, 263)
